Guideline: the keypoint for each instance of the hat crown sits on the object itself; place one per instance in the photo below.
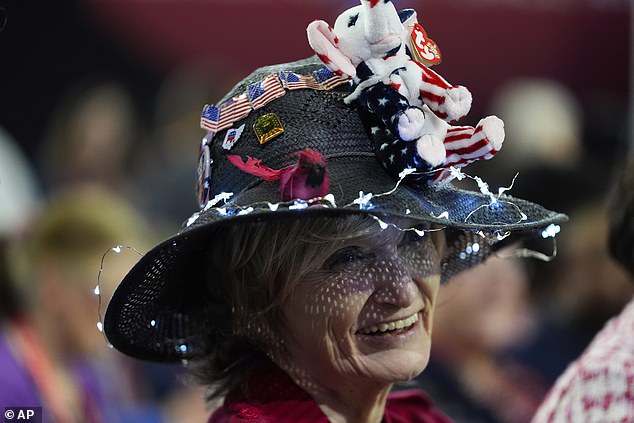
(315, 119)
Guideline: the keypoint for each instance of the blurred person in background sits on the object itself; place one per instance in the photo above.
(19, 201)
(599, 385)
(166, 163)
(481, 314)
(51, 353)
(550, 151)
(90, 138)
(579, 292)
(544, 121)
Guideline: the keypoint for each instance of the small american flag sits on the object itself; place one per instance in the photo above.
(328, 80)
(293, 81)
(209, 118)
(257, 95)
(265, 91)
(233, 110)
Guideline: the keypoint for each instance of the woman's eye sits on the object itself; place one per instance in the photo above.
(345, 256)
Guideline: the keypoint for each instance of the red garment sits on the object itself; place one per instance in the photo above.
(273, 397)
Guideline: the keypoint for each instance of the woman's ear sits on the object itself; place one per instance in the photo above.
(324, 42)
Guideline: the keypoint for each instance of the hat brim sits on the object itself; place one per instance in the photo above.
(157, 312)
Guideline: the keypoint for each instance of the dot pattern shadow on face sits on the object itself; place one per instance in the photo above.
(387, 279)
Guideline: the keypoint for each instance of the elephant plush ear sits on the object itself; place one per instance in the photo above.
(324, 41)
(408, 18)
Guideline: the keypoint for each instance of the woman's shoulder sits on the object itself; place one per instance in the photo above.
(412, 406)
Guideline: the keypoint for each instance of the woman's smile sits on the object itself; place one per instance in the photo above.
(390, 328)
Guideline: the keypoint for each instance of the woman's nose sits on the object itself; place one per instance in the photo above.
(394, 284)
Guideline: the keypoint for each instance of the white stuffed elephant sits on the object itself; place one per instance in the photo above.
(369, 45)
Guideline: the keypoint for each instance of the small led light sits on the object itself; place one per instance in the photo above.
(117, 249)
(331, 199)
(223, 196)
(475, 247)
(443, 215)
(298, 205)
(192, 219)
(273, 207)
(100, 326)
(97, 291)
(551, 231)
(406, 172)
(364, 200)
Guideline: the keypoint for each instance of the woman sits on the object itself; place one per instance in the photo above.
(304, 288)
(349, 313)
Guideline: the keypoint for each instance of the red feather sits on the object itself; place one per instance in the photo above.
(310, 155)
(306, 179)
(255, 167)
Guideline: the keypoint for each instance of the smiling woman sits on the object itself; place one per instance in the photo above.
(301, 292)
(343, 307)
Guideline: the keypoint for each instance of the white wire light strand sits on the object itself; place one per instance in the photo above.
(97, 291)
(528, 253)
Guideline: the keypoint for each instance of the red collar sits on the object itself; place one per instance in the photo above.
(271, 396)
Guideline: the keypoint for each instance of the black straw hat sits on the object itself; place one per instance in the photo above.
(157, 314)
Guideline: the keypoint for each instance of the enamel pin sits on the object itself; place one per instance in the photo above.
(268, 127)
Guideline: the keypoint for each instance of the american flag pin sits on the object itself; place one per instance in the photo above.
(268, 127)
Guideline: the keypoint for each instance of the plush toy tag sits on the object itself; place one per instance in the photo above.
(423, 48)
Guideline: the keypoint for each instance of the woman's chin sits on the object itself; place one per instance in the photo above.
(405, 352)
(395, 365)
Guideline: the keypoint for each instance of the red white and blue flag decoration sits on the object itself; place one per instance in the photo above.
(217, 118)
(265, 91)
(327, 79)
(294, 81)
(209, 118)
(464, 145)
(233, 110)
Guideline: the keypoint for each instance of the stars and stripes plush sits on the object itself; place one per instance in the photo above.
(369, 45)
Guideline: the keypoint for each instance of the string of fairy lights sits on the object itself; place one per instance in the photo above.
(220, 204)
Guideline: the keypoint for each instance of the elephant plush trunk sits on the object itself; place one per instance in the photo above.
(381, 21)
(375, 25)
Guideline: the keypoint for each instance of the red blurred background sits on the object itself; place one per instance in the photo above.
(46, 46)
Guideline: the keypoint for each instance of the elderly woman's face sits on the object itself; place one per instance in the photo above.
(367, 313)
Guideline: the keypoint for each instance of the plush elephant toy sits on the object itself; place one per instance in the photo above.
(368, 44)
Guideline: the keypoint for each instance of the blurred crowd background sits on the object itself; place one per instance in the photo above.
(99, 109)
